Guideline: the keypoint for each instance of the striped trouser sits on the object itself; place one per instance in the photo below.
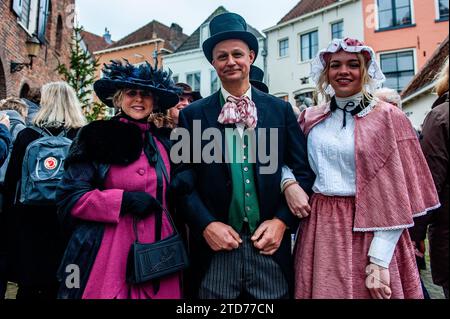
(243, 272)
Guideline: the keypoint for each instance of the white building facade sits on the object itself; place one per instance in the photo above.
(417, 106)
(291, 46)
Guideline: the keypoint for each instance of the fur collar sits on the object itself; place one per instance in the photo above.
(107, 142)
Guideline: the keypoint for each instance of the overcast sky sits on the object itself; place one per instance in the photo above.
(123, 17)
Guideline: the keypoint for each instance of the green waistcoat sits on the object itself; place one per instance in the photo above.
(244, 198)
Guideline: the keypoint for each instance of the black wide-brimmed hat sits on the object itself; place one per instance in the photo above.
(187, 90)
(228, 26)
(256, 79)
(118, 76)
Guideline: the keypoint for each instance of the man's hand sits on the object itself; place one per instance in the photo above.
(298, 201)
(220, 236)
(268, 236)
(378, 281)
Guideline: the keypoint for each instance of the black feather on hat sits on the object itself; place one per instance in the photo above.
(118, 76)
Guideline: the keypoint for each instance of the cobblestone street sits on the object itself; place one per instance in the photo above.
(434, 291)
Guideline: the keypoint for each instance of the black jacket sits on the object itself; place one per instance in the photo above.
(5, 140)
(210, 200)
(31, 243)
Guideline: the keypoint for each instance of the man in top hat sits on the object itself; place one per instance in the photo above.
(239, 223)
(257, 78)
(186, 97)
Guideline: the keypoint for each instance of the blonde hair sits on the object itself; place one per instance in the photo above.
(14, 104)
(442, 79)
(117, 99)
(59, 107)
(324, 81)
(390, 96)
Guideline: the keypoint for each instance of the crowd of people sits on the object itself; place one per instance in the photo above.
(354, 183)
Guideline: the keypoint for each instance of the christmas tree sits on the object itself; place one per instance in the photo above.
(81, 76)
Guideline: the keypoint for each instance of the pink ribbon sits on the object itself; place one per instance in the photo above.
(239, 110)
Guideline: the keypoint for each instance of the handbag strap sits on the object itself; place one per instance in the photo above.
(154, 157)
(155, 160)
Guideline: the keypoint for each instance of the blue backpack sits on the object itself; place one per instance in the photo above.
(15, 129)
(43, 167)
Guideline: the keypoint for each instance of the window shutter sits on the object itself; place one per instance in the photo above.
(42, 20)
(17, 7)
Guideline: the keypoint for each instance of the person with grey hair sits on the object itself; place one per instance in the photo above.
(390, 96)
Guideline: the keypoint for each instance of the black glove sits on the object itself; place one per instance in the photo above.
(139, 204)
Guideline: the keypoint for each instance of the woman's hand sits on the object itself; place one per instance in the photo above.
(378, 281)
(297, 200)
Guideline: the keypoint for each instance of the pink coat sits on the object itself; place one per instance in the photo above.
(107, 278)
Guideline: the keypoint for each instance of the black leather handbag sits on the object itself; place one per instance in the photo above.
(152, 261)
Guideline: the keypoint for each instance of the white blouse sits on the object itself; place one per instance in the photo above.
(331, 154)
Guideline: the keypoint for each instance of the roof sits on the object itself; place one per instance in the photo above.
(146, 33)
(304, 7)
(94, 42)
(193, 42)
(429, 71)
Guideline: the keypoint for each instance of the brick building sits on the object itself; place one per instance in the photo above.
(139, 46)
(49, 22)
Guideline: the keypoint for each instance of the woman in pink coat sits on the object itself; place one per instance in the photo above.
(371, 181)
(114, 188)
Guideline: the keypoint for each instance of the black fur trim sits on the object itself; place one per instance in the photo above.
(107, 142)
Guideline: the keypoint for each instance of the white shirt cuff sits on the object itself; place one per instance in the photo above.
(383, 246)
(286, 176)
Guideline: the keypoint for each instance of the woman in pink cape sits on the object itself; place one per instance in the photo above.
(371, 181)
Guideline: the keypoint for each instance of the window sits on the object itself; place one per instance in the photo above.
(443, 9)
(193, 80)
(48, 29)
(283, 48)
(175, 78)
(392, 13)
(337, 30)
(309, 45)
(204, 33)
(214, 81)
(59, 32)
(28, 14)
(398, 67)
(24, 91)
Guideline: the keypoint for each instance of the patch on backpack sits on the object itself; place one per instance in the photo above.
(50, 163)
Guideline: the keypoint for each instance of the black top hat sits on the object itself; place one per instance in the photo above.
(228, 26)
(256, 79)
(187, 90)
(119, 76)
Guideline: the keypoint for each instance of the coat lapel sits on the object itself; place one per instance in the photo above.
(260, 109)
(212, 111)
